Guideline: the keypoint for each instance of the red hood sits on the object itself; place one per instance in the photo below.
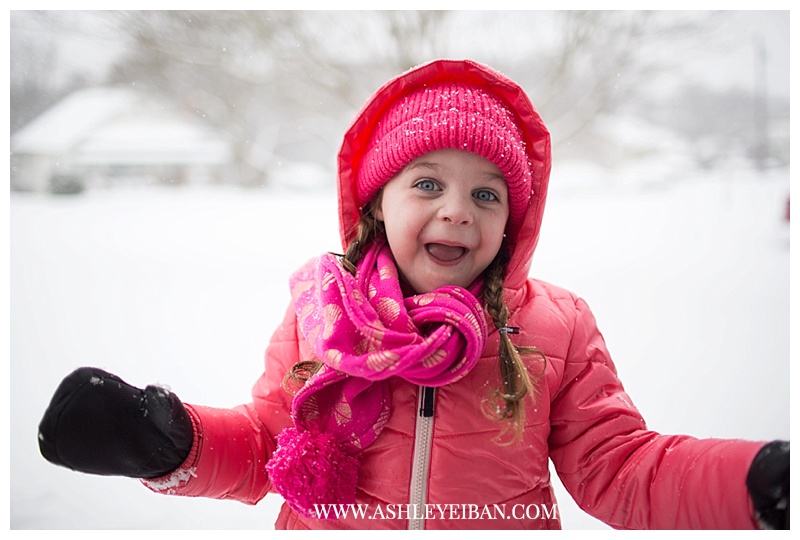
(537, 140)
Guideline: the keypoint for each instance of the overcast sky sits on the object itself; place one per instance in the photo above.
(748, 30)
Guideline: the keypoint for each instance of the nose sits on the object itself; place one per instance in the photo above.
(456, 209)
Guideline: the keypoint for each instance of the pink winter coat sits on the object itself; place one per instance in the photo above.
(446, 471)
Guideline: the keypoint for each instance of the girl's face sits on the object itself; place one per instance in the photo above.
(444, 215)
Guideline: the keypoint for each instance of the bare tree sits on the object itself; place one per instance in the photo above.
(37, 75)
(591, 63)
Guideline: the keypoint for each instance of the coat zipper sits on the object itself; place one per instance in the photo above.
(422, 459)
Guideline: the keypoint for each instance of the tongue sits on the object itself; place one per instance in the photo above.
(445, 253)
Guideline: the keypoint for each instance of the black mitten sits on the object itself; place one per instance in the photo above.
(97, 423)
(768, 484)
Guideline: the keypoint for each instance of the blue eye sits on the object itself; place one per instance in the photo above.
(426, 185)
(485, 196)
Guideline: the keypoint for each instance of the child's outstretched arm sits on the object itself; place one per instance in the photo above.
(627, 476)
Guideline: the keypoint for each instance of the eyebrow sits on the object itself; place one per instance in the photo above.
(426, 164)
(499, 177)
(438, 168)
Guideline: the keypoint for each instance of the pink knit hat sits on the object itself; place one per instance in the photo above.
(448, 115)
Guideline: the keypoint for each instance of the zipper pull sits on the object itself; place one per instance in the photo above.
(426, 406)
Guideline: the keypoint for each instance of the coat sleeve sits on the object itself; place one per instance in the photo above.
(232, 446)
(627, 476)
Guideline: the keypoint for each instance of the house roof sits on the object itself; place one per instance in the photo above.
(119, 126)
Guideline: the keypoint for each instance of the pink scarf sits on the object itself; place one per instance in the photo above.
(364, 331)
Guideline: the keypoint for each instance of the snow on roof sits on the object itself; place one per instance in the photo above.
(152, 140)
(64, 125)
(119, 126)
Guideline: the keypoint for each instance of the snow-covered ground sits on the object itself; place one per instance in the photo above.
(689, 281)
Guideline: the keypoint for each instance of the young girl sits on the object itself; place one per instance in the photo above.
(421, 379)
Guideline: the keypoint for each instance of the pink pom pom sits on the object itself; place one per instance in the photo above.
(311, 468)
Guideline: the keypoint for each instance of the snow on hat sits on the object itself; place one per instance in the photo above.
(449, 115)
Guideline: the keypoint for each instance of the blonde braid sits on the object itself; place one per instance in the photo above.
(507, 404)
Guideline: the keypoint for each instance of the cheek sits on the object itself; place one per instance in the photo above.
(496, 233)
(402, 219)
(400, 237)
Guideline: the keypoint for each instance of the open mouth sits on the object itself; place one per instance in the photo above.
(445, 253)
